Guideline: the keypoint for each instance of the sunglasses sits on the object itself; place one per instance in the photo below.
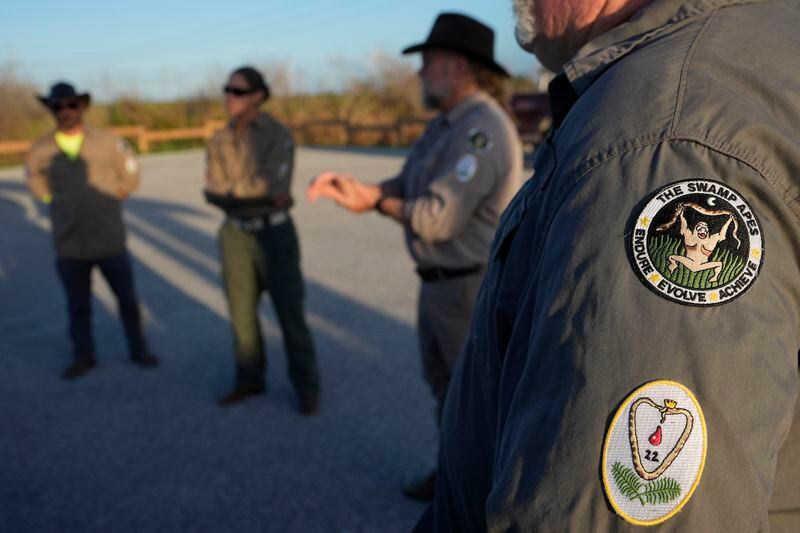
(237, 91)
(58, 106)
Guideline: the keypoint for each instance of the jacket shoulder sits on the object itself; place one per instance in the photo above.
(107, 139)
(634, 102)
(276, 127)
(741, 92)
(741, 74)
(219, 136)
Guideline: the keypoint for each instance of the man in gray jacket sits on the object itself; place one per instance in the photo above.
(633, 358)
(84, 174)
(458, 178)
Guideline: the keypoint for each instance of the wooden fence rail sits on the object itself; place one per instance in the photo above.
(396, 133)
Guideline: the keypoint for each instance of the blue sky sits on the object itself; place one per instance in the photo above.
(167, 49)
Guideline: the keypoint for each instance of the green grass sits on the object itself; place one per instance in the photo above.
(663, 246)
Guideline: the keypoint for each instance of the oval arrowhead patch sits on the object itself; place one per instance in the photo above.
(697, 242)
(654, 453)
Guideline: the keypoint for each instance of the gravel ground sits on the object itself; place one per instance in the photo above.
(126, 449)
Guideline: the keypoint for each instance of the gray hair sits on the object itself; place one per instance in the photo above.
(525, 29)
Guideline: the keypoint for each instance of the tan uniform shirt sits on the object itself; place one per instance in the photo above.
(86, 213)
(245, 172)
(458, 178)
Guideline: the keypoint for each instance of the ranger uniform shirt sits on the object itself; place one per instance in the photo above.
(244, 173)
(654, 256)
(86, 213)
(457, 180)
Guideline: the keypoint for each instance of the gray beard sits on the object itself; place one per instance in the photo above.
(551, 54)
(525, 30)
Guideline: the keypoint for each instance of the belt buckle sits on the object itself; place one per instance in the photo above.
(278, 218)
(251, 224)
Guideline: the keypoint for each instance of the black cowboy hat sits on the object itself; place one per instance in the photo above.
(465, 35)
(61, 91)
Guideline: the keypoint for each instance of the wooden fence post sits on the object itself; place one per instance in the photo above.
(348, 134)
(142, 140)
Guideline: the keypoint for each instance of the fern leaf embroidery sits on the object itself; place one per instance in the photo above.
(660, 491)
(626, 480)
(663, 490)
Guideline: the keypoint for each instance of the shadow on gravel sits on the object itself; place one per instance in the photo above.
(130, 450)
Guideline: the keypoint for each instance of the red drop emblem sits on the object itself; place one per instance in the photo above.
(655, 438)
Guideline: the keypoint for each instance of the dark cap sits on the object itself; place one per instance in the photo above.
(62, 90)
(254, 79)
(464, 35)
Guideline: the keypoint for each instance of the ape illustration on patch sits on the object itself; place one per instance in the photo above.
(697, 242)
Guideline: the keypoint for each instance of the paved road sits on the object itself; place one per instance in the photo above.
(126, 449)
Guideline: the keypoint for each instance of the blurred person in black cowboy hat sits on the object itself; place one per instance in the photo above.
(248, 176)
(84, 174)
(458, 179)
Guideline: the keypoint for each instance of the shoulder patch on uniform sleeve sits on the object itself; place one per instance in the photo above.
(466, 166)
(479, 140)
(697, 242)
(131, 165)
(654, 453)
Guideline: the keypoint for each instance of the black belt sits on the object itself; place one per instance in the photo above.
(441, 274)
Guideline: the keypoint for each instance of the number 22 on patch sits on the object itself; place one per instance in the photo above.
(651, 455)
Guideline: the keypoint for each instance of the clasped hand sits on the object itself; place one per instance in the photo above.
(345, 190)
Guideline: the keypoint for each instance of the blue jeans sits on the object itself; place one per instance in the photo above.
(75, 275)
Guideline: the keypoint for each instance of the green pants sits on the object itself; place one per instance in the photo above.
(254, 262)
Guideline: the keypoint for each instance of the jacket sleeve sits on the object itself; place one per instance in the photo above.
(464, 178)
(36, 175)
(600, 330)
(215, 179)
(127, 166)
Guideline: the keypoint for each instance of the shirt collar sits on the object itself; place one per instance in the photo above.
(88, 131)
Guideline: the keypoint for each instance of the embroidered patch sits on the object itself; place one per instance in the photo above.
(466, 166)
(654, 453)
(697, 242)
(131, 166)
(479, 141)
